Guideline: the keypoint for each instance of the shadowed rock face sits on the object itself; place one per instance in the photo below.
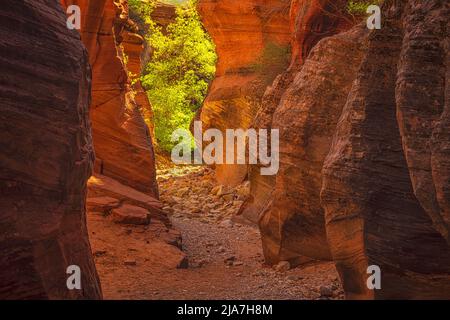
(293, 224)
(423, 107)
(46, 154)
(313, 20)
(375, 175)
(252, 42)
(122, 140)
(380, 190)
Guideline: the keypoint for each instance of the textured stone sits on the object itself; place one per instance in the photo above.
(46, 154)
(293, 224)
(122, 140)
(128, 214)
(423, 107)
(102, 186)
(167, 255)
(252, 40)
(102, 204)
(313, 20)
(372, 214)
(310, 21)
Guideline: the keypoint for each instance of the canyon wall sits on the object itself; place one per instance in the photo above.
(380, 189)
(122, 139)
(293, 225)
(423, 105)
(46, 156)
(310, 21)
(252, 42)
(364, 142)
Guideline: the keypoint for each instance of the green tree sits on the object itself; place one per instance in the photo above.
(179, 72)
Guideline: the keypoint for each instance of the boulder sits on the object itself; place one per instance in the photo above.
(128, 214)
(104, 187)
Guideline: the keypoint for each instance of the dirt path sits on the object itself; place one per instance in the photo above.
(225, 258)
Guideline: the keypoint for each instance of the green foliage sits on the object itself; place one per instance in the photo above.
(177, 77)
(143, 9)
(359, 7)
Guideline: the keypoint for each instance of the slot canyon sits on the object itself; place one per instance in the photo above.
(364, 155)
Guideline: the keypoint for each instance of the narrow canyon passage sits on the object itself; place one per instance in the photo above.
(359, 198)
(223, 259)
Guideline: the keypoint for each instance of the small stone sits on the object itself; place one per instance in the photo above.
(216, 189)
(282, 266)
(228, 197)
(130, 262)
(196, 210)
(183, 192)
(238, 263)
(168, 209)
(293, 278)
(221, 250)
(202, 263)
(184, 263)
(326, 291)
(237, 203)
(99, 253)
(226, 223)
(229, 260)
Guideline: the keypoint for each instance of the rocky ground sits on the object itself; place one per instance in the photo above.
(222, 259)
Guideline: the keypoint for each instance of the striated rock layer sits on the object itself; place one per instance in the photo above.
(122, 139)
(310, 21)
(364, 173)
(423, 107)
(46, 154)
(293, 224)
(252, 42)
(378, 191)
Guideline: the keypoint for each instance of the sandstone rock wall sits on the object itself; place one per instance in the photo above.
(46, 154)
(310, 21)
(378, 186)
(252, 42)
(122, 140)
(422, 96)
(363, 177)
(293, 225)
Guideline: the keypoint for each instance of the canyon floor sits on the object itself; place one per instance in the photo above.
(222, 259)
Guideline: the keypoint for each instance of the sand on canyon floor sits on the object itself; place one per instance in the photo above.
(221, 260)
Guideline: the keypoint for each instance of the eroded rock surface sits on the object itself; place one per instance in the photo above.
(422, 96)
(310, 21)
(293, 224)
(122, 139)
(373, 215)
(106, 194)
(252, 42)
(46, 154)
(383, 182)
